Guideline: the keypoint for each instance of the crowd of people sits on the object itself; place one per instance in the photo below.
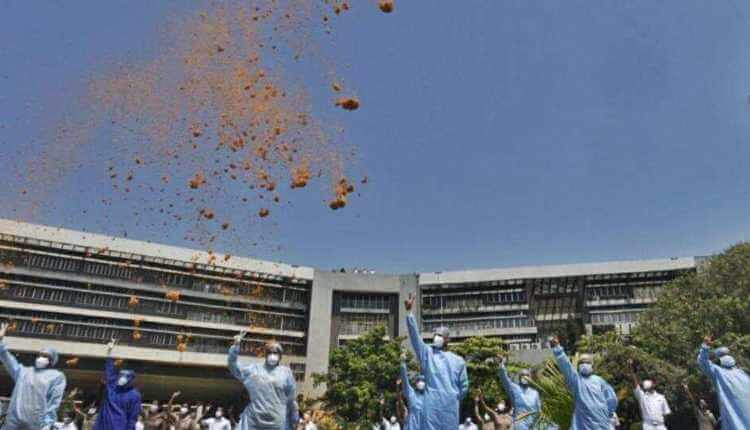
(431, 402)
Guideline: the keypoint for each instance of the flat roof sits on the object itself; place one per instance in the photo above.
(118, 244)
(556, 271)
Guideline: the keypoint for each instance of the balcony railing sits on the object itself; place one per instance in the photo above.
(32, 292)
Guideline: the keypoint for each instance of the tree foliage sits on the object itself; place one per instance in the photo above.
(483, 375)
(715, 301)
(360, 373)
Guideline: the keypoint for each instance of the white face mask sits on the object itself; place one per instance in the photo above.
(420, 385)
(41, 362)
(122, 381)
(219, 414)
(154, 409)
(438, 341)
(393, 420)
(648, 384)
(272, 359)
(92, 411)
(501, 407)
(486, 417)
(183, 411)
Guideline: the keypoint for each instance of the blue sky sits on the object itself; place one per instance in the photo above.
(494, 133)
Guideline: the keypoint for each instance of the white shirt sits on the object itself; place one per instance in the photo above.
(217, 424)
(386, 425)
(654, 408)
(471, 426)
(139, 425)
(311, 426)
(63, 426)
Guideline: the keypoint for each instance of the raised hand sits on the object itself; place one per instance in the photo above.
(708, 340)
(409, 302)
(238, 338)
(631, 363)
(554, 342)
(3, 329)
(403, 357)
(111, 345)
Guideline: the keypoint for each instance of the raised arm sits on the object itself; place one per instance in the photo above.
(690, 397)
(630, 373)
(511, 388)
(415, 336)
(9, 361)
(703, 359)
(110, 373)
(199, 414)
(234, 353)
(408, 390)
(54, 398)
(566, 367)
(495, 415)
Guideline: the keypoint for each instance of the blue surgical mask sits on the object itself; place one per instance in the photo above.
(727, 361)
(585, 369)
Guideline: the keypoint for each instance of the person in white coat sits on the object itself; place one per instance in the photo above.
(653, 405)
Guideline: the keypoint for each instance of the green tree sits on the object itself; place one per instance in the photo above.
(482, 372)
(360, 373)
(714, 302)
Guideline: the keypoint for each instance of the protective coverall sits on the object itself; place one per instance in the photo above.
(525, 401)
(272, 391)
(732, 385)
(122, 404)
(595, 400)
(414, 401)
(37, 393)
(446, 379)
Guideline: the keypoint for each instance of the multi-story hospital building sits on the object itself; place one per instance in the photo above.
(175, 310)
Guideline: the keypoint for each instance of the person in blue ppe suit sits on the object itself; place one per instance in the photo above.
(527, 405)
(38, 389)
(732, 386)
(414, 397)
(37, 392)
(445, 376)
(122, 404)
(271, 388)
(595, 400)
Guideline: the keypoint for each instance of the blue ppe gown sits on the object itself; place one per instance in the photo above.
(414, 401)
(272, 391)
(122, 404)
(595, 400)
(526, 401)
(37, 393)
(447, 382)
(733, 389)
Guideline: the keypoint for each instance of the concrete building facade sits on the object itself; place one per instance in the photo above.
(175, 310)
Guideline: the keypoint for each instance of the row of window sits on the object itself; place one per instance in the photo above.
(356, 324)
(615, 318)
(103, 330)
(366, 301)
(158, 307)
(473, 301)
(121, 271)
(485, 324)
